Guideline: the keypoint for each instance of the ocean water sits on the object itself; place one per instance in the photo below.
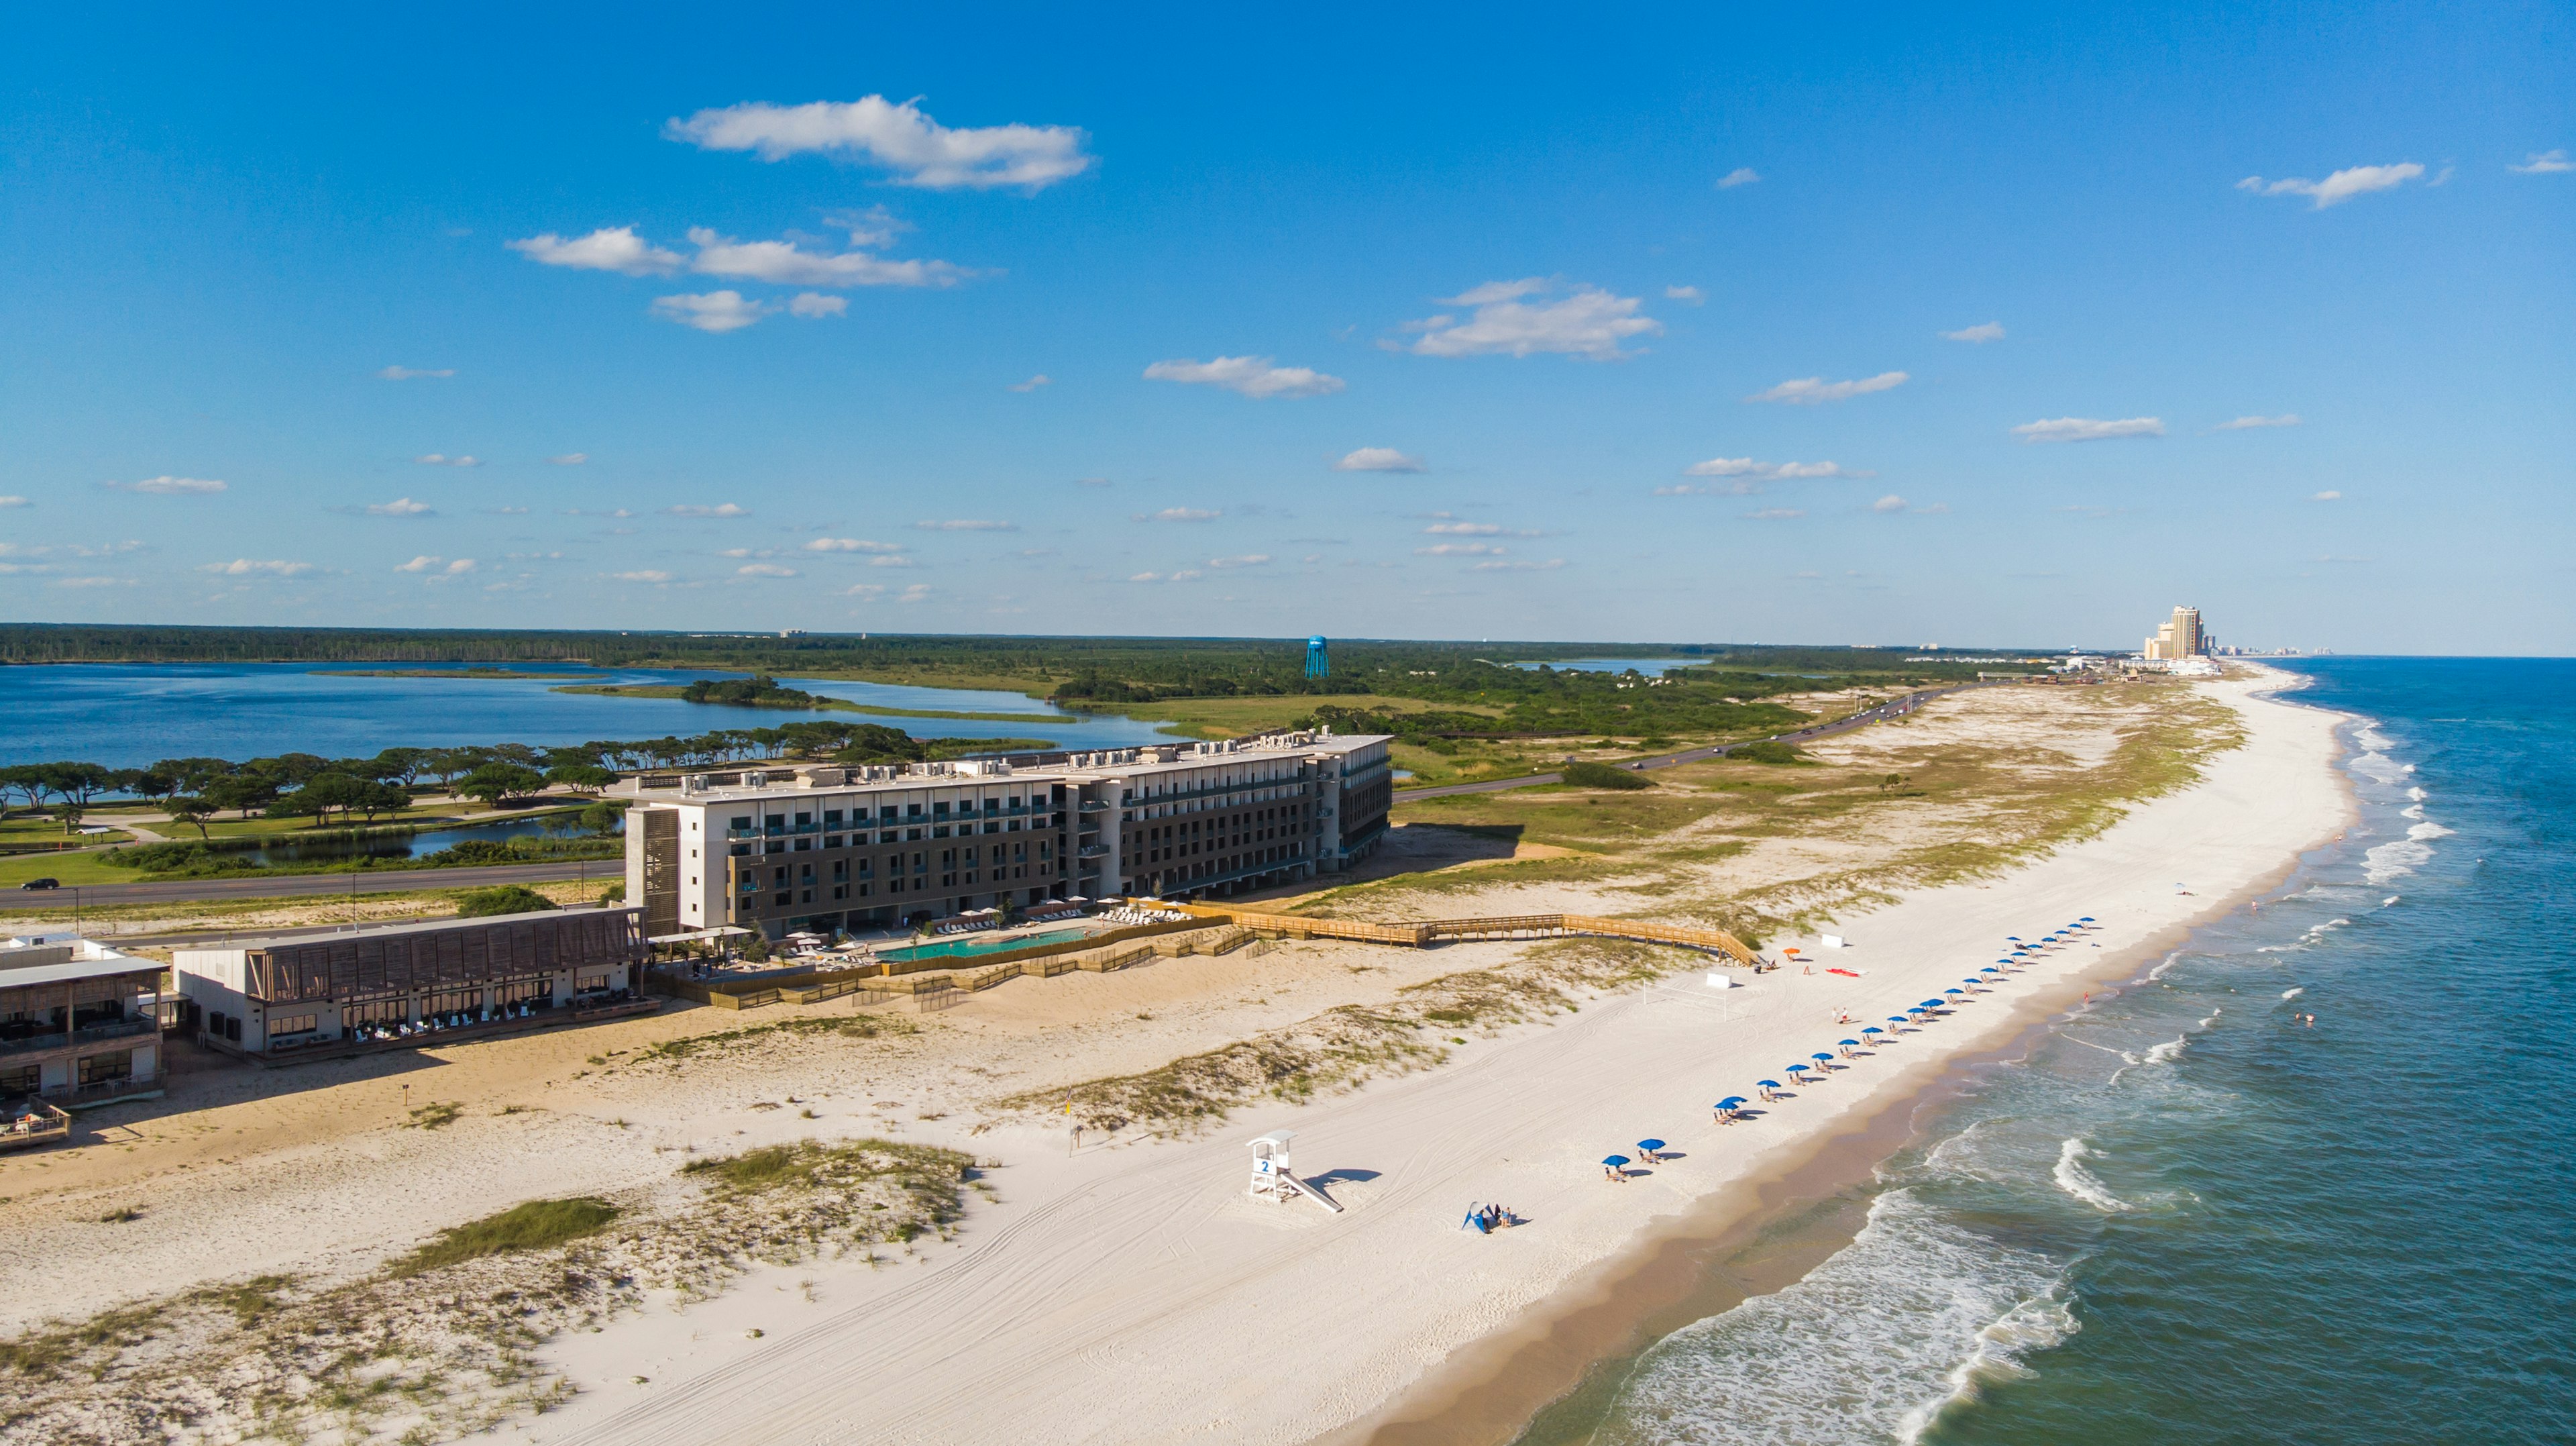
(126, 715)
(2187, 1215)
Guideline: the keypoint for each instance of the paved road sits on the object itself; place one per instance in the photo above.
(388, 881)
(1881, 713)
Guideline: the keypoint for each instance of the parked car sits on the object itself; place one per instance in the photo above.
(42, 884)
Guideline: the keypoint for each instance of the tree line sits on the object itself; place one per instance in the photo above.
(197, 791)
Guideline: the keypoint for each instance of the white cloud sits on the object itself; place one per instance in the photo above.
(459, 566)
(2088, 429)
(1520, 565)
(1808, 391)
(851, 544)
(716, 311)
(440, 459)
(1179, 514)
(422, 563)
(611, 248)
(1460, 549)
(1254, 376)
(401, 507)
(1184, 575)
(570, 459)
(764, 569)
(94, 582)
(1771, 471)
(919, 150)
(250, 567)
(1889, 503)
(646, 575)
(1776, 514)
(2544, 163)
(1980, 334)
(1586, 322)
(813, 305)
(1463, 529)
(404, 374)
(967, 524)
(1740, 176)
(721, 509)
(2248, 424)
(890, 559)
(784, 263)
(1035, 382)
(1249, 559)
(1690, 295)
(8, 502)
(2338, 188)
(2328, 496)
(1379, 459)
(171, 486)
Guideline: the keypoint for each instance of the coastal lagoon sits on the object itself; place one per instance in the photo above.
(127, 715)
(2187, 1214)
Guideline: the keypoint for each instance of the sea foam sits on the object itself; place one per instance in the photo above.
(1911, 1318)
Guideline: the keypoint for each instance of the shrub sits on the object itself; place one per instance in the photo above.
(1602, 775)
(501, 899)
(530, 1225)
(1768, 751)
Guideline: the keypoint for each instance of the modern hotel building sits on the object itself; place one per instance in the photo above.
(868, 848)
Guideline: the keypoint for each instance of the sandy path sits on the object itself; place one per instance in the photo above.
(1132, 1293)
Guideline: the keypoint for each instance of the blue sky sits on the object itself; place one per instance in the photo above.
(1488, 323)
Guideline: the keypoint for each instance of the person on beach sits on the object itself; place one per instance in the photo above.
(1614, 1174)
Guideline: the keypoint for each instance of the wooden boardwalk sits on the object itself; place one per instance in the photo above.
(1424, 934)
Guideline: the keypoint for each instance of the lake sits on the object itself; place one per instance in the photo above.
(127, 715)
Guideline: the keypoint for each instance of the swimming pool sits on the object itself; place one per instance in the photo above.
(961, 948)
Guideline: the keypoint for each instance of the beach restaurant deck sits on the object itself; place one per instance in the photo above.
(409, 984)
(79, 1023)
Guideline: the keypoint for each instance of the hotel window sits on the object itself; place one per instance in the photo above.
(831, 818)
(452, 1001)
(102, 1068)
(517, 991)
(742, 821)
(591, 979)
(286, 1024)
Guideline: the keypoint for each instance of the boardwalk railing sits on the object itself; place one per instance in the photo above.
(1512, 926)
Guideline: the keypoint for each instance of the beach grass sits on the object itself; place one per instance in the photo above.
(528, 1225)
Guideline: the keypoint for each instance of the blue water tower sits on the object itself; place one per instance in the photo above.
(1319, 662)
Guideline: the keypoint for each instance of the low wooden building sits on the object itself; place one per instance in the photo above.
(79, 1022)
(404, 983)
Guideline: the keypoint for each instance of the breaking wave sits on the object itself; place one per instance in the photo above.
(1915, 1316)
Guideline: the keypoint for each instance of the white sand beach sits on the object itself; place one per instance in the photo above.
(1133, 1293)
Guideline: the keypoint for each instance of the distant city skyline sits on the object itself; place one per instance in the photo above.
(1930, 326)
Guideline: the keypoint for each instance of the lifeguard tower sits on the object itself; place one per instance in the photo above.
(1273, 1181)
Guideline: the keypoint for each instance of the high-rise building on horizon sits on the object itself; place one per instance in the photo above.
(2177, 638)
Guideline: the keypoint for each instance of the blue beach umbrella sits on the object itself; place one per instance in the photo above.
(2087, 919)
(1797, 1069)
(1848, 1042)
(1896, 1019)
(1768, 1084)
(1730, 1102)
(1820, 1054)
(1929, 1004)
(1954, 991)
(1873, 1029)
(1614, 1161)
(1650, 1144)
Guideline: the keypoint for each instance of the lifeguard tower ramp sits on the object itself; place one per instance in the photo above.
(1273, 1181)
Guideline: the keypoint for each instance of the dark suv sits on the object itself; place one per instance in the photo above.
(42, 884)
